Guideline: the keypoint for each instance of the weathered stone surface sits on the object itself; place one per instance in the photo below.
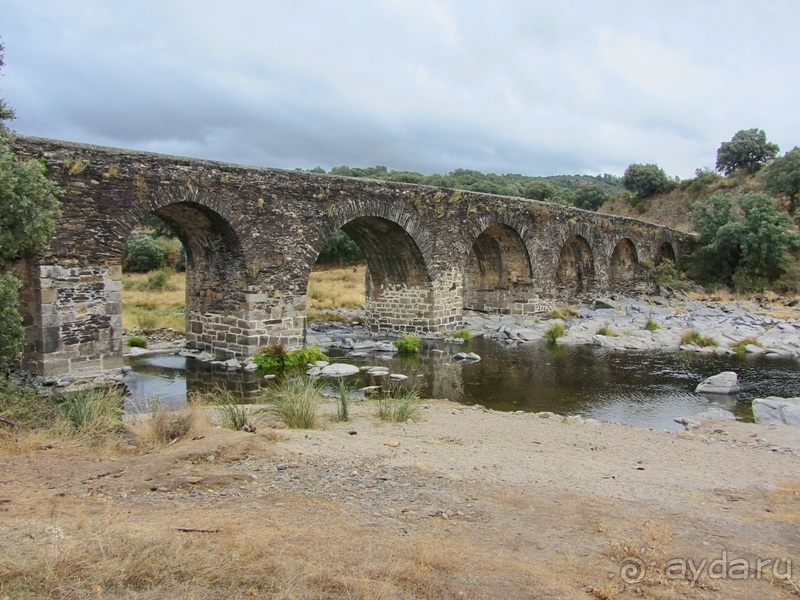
(726, 382)
(252, 236)
(776, 411)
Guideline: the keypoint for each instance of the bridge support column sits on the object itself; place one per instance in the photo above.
(399, 307)
(73, 317)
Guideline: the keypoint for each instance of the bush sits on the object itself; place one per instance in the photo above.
(137, 341)
(589, 197)
(142, 254)
(646, 180)
(555, 331)
(340, 249)
(407, 345)
(277, 360)
(666, 274)
(744, 241)
(11, 330)
(651, 325)
(160, 281)
(297, 401)
(465, 335)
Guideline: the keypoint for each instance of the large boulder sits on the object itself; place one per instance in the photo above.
(776, 411)
(726, 382)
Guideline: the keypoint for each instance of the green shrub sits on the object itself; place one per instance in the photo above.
(407, 345)
(666, 274)
(465, 335)
(651, 325)
(296, 400)
(137, 341)
(24, 406)
(172, 251)
(277, 360)
(142, 254)
(555, 331)
(11, 330)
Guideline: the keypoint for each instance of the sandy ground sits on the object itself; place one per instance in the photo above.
(462, 503)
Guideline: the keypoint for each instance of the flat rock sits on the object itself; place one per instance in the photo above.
(339, 370)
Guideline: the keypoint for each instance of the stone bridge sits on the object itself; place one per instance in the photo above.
(252, 236)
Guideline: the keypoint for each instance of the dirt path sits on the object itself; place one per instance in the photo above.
(461, 504)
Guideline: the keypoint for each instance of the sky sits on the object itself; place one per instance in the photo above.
(505, 86)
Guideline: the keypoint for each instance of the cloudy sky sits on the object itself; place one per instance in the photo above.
(529, 86)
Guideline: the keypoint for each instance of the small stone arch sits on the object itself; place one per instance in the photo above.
(624, 262)
(665, 252)
(498, 272)
(575, 273)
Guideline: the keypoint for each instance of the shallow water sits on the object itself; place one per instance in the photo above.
(644, 389)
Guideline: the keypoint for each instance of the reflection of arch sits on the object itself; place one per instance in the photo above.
(665, 252)
(499, 270)
(624, 261)
(393, 257)
(575, 265)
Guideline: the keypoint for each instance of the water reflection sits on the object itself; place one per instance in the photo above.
(645, 389)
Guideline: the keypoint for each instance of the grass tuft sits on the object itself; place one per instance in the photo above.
(397, 404)
(555, 331)
(296, 400)
(565, 314)
(95, 412)
(694, 337)
(739, 347)
(606, 330)
(651, 325)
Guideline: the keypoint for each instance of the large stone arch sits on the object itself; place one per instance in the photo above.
(624, 264)
(575, 274)
(402, 294)
(498, 273)
(217, 274)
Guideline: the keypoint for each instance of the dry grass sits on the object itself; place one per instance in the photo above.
(153, 309)
(161, 426)
(343, 287)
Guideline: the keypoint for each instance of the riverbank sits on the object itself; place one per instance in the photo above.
(462, 503)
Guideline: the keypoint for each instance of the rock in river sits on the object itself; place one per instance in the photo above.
(726, 382)
(339, 370)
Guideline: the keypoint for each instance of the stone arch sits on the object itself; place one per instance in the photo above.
(217, 274)
(624, 262)
(393, 257)
(575, 273)
(401, 293)
(498, 272)
(665, 252)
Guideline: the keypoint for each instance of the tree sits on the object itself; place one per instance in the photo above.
(747, 151)
(783, 176)
(28, 211)
(744, 241)
(589, 197)
(645, 180)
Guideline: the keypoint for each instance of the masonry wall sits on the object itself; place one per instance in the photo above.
(252, 236)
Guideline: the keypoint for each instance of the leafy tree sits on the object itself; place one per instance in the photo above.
(744, 241)
(783, 176)
(28, 211)
(747, 151)
(143, 254)
(645, 180)
(340, 249)
(589, 197)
